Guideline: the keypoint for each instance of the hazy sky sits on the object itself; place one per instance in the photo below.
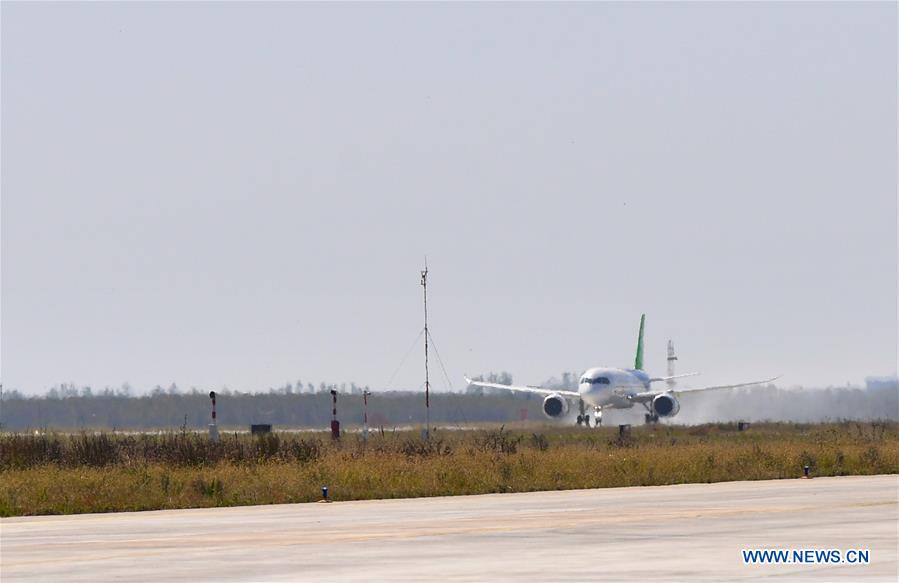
(243, 194)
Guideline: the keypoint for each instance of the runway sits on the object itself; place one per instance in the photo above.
(691, 532)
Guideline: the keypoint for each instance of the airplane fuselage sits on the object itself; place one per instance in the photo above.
(610, 387)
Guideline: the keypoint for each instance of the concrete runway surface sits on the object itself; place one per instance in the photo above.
(673, 533)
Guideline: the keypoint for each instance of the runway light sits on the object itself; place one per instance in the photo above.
(805, 470)
(325, 494)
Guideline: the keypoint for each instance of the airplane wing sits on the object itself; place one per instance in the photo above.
(537, 390)
(650, 395)
(677, 376)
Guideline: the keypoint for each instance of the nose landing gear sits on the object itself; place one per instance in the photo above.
(584, 419)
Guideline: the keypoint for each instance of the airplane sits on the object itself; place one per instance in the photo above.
(617, 388)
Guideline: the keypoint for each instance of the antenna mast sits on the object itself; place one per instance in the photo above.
(671, 359)
(424, 285)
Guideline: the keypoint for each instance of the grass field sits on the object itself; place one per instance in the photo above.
(64, 474)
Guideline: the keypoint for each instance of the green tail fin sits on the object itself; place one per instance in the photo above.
(638, 361)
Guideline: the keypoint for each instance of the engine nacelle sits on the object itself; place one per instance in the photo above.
(665, 405)
(555, 406)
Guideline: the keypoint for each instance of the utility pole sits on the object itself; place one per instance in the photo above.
(424, 285)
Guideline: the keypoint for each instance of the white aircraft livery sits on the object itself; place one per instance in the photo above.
(617, 388)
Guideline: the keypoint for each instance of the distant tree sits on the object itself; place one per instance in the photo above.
(12, 395)
(68, 391)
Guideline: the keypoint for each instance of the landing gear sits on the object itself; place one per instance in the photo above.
(584, 419)
(651, 416)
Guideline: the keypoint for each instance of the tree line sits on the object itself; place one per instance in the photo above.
(69, 407)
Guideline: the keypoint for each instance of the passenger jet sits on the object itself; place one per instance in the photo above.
(617, 388)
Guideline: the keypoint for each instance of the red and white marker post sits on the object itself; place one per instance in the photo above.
(335, 424)
(213, 428)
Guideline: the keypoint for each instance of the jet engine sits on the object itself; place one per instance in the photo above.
(665, 405)
(555, 406)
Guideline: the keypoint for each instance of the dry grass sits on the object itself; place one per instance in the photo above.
(59, 474)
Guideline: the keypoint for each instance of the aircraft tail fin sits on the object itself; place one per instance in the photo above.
(638, 360)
